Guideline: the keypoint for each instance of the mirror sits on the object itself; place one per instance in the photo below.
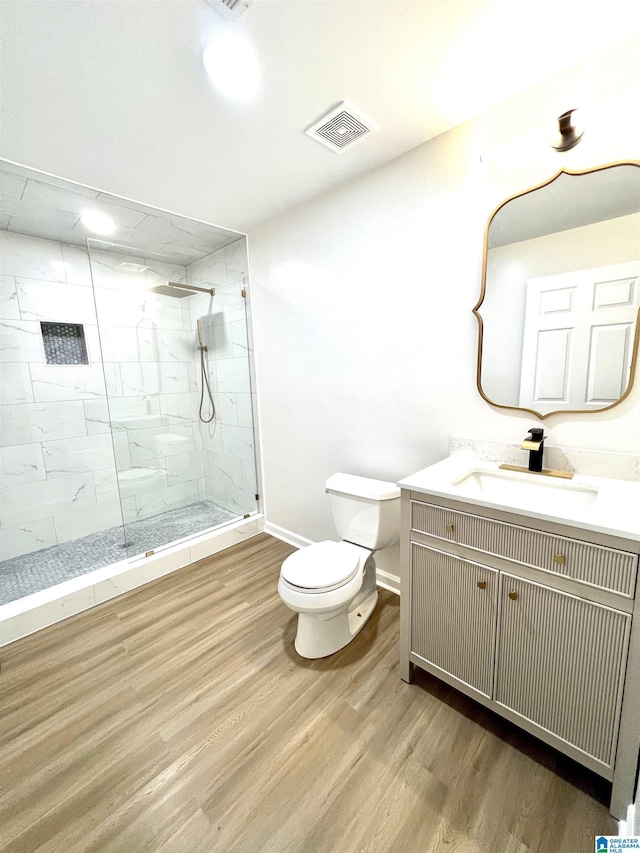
(558, 310)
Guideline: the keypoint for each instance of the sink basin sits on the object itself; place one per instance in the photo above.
(602, 504)
(527, 491)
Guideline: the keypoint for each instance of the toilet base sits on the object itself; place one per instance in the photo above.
(322, 634)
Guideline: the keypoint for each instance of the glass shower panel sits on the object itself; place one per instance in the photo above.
(228, 442)
(177, 374)
(60, 515)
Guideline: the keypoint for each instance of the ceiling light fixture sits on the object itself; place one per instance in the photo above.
(129, 266)
(569, 131)
(97, 222)
(232, 66)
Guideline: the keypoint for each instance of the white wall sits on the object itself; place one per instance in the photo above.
(365, 340)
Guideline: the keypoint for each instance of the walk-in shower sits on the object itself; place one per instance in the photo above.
(126, 406)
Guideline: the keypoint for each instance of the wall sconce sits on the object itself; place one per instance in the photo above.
(569, 131)
(533, 145)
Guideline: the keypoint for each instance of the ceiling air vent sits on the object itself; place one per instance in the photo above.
(341, 128)
(231, 9)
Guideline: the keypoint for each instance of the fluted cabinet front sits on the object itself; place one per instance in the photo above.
(559, 664)
(534, 624)
(584, 562)
(454, 615)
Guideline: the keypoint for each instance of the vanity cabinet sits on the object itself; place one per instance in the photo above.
(529, 618)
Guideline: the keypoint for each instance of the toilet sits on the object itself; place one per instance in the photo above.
(332, 585)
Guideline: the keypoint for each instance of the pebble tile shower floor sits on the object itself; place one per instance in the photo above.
(42, 569)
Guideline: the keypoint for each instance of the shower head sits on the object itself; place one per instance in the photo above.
(165, 290)
(179, 291)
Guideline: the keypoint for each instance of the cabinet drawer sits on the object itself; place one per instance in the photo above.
(453, 615)
(580, 561)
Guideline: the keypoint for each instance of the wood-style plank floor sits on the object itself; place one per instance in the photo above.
(179, 718)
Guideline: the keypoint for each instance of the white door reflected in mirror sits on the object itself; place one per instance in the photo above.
(577, 342)
(560, 294)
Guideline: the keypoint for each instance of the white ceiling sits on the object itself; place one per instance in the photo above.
(112, 93)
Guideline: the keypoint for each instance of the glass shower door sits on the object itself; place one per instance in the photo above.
(176, 359)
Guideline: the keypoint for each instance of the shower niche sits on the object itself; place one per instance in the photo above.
(126, 399)
(64, 343)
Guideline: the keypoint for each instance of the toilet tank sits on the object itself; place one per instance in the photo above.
(365, 511)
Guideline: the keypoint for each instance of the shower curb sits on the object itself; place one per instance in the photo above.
(33, 612)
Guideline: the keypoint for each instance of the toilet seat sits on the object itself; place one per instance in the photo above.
(332, 585)
(323, 566)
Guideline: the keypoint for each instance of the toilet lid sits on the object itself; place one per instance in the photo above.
(325, 564)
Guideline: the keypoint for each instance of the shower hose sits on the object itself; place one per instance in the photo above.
(204, 383)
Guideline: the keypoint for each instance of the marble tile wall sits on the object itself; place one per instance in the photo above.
(60, 466)
(56, 456)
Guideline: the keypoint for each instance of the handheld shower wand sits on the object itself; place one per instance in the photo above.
(204, 375)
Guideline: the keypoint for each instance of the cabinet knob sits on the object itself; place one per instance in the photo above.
(560, 559)
(513, 596)
(449, 528)
(482, 584)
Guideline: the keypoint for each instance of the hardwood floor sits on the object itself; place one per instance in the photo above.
(179, 718)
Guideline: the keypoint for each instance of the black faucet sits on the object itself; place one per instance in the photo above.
(534, 443)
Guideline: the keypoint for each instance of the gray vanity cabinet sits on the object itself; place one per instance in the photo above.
(527, 619)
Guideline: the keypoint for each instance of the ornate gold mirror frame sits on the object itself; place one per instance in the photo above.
(518, 220)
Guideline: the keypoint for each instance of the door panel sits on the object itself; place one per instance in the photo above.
(608, 370)
(559, 663)
(454, 615)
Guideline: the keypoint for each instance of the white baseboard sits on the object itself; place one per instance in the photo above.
(627, 828)
(387, 581)
(285, 535)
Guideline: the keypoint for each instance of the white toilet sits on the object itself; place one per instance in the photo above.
(332, 585)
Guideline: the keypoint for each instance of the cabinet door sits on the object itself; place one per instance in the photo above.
(453, 618)
(560, 663)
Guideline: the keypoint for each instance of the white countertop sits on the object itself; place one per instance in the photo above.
(614, 511)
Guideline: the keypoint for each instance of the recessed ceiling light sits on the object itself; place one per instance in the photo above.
(129, 266)
(97, 222)
(232, 66)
